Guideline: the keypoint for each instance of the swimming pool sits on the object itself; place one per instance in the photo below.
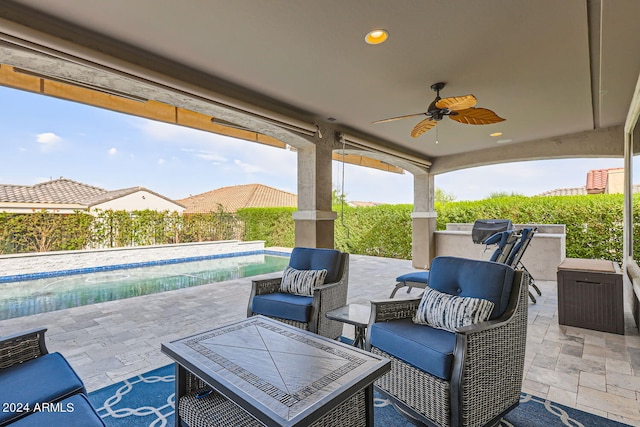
(24, 298)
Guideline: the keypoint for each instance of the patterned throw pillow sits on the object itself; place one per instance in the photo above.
(449, 312)
(301, 282)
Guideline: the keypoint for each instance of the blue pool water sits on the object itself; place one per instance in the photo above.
(29, 297)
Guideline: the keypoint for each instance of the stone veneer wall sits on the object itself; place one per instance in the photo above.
(33, 263)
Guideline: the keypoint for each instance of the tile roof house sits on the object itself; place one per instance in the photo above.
(357, 204)
(230, 199)
(599, 181)
(575, 191)
(67, 196)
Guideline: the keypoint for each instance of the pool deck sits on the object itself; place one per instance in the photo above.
(108, 342)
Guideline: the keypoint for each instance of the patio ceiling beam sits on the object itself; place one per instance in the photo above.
(606, 142)
(594, 14)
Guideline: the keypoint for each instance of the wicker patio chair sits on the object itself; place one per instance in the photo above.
(306, 312)
(471, 377)
(22, 347)
(504, 241)
(31, 377)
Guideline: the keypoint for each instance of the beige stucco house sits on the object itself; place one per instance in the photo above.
(64, 196)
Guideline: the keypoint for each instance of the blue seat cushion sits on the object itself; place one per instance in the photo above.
(48, 378)
(72, 411)
(424, 347)
(317, 259)
(473, 278)
(414, 276)
(284, 306)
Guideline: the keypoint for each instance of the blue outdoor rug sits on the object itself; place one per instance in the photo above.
(148, 400)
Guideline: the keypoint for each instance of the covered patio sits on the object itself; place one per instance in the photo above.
(303, 77)
(300, 76)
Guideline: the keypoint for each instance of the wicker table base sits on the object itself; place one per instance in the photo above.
(215, 410)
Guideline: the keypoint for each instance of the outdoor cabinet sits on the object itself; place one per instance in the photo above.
(590, 295)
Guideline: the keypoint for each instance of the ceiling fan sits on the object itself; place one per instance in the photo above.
(458, 108)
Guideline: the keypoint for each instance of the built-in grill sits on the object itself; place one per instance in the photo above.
(484, 228)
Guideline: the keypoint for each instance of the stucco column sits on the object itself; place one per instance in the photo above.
(314, 218)
(423, 247)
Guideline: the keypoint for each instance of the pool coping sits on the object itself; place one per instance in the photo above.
(75, 271)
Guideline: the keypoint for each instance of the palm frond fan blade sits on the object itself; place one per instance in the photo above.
(476, 116)
(397, 118)
(456, 103)
(422, 127)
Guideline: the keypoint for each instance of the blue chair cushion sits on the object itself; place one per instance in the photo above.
(283, 305)
(48, 378)
(473, 278)
(317, 259)
(424, 347)
(414, 276)
(72, 411)
(524, 235)
(501, 240)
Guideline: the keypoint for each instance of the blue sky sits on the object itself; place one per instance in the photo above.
(44, 138)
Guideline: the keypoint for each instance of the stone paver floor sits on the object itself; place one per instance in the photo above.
(108, 342)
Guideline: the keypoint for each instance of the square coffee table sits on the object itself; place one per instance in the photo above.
(263, 372)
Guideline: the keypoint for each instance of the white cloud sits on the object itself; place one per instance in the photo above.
(248, 168)
(212, 157)
(48, 138)
(113, 151)
(161, 161)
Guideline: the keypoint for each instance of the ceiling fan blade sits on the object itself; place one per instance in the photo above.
(476, 116)
(456, 103)
(422, 127)
(398, 118)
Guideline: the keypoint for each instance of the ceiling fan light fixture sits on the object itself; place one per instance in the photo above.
(376, 36)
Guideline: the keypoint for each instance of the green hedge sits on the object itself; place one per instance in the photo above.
(593, 223)
(379, 231)
(41, 231)
(273, 225)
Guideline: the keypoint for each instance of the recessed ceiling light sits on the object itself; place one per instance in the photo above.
(496, 134)
(376, 36)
